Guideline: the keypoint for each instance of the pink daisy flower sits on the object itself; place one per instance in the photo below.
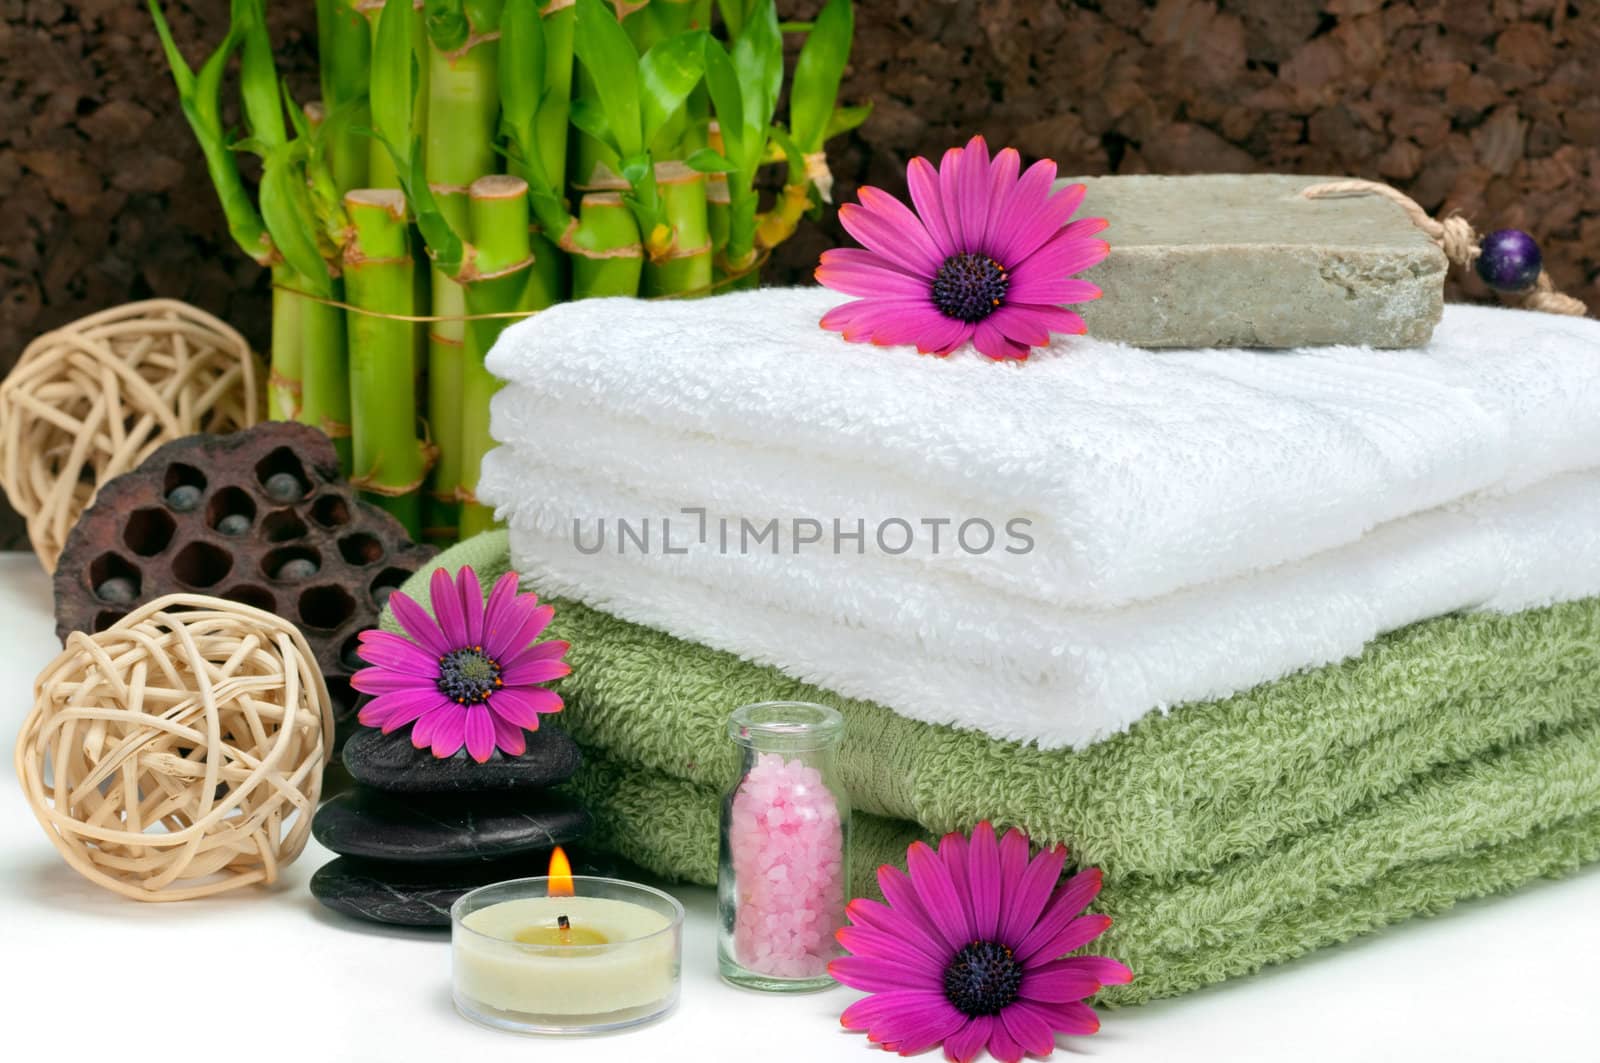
(469, 675)
(988, 256)
(968, 951)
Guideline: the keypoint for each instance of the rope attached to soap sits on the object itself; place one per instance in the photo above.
(1455, 237)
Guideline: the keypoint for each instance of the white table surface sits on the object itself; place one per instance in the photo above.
(268, 974)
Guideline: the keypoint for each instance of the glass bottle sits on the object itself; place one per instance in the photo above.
(785, 855)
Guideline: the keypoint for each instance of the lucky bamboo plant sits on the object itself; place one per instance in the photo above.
(471, 162)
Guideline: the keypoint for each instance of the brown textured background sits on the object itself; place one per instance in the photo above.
(1491, 107)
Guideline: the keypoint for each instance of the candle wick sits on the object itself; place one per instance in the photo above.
(565, 926)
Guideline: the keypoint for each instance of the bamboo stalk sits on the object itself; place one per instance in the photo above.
(685, 265)
(283, 396)
(379, 276)
(344, 59)
(497, 281)
(607, 258)
(325, 380)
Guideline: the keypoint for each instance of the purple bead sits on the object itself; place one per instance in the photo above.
(1509, 260)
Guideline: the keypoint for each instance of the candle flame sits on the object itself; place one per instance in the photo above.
(560, 874)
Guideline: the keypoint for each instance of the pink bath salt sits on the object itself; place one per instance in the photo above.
(787, 847)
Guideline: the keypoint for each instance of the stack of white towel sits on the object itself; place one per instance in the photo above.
(1166, 526)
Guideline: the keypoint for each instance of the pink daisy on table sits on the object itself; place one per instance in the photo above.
(968, 951)
(987, 256)
(470, 674)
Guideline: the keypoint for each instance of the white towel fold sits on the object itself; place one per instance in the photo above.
(1141, 472)
(933, 646)
(1199, 521)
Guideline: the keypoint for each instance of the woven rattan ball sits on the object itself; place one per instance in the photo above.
(180, 752)
(90, 401)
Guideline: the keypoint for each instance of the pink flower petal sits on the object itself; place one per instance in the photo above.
(885, 321)
(1040, 221)
(376, 680)
(923, 181)
(422, 732)
(1002, 178)
(865, 941)
(1054, 983)
(993, 343)
(876, 975)
(471, 592)
(446, 601)
(940, 900)
(1035, 287)
(1084, 227)
(1068, 901)
(911, 930)
(946, 338)
(390, 651)
(449, 731)
(972, 184)
(523, 706)
(1024, 221)
(856, 275)
(1034, 325)
(422, 628)
(883, 224)
(530, 625)
(902, 896)
(479, 733)
(1002, 1046)
(964, 1044)
(1061, 256)
(1102, 969)
(983, 881)
(394, 710)
(900, 1009)
(501, 617)
(1071, 1017)
(528, 673)
(1029, 1027)
(509, 737)
(1033, 891)
(1075, 935)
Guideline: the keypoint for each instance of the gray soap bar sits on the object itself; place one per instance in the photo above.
(1244, 260)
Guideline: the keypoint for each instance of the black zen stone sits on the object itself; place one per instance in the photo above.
(364, 822)
(421, 895)
(390, 762)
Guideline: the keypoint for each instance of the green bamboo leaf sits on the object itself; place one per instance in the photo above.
(606, 51)
(483, 16)
(668, 73)
(733, 14)
(707, 161)
(344, 44)
(758, 59)
(258, 75)
(589, 116)
(727, 100)
(817, 72)
(844, 119)
(445, 246)
(287, 212)
(522, 80)
(394, 80)
(200, 99)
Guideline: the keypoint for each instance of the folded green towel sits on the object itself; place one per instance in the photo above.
(1467, 830)
(1178, 794)
(1453, 759)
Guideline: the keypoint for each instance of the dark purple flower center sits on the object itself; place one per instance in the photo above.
(983, 979)
(969, 287)
(468, 676)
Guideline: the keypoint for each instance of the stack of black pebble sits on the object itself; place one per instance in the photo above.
(417, 831)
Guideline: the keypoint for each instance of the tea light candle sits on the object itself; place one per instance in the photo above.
(530, 957)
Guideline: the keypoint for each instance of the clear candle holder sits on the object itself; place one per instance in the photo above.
(605, 958)
(785, 848)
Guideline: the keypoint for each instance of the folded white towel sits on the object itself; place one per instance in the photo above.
(933, 646)
(1142, 473)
